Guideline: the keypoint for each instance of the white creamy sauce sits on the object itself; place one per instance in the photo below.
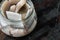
(13, 16)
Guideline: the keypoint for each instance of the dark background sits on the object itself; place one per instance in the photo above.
(48, 26)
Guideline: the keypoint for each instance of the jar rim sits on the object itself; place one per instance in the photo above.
(31, 5)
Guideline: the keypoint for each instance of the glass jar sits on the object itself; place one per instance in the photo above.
(15, 28)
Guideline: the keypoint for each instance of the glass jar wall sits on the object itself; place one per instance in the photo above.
(19, 28)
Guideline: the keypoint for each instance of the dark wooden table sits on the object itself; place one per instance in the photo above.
(2, 35)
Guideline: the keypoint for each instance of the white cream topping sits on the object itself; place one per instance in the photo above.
(13, 16)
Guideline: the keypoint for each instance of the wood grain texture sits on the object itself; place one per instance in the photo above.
(2, 35)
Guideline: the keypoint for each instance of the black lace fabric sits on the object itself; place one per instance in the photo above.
(48, 26)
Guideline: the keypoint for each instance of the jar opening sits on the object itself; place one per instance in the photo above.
(29, 14)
